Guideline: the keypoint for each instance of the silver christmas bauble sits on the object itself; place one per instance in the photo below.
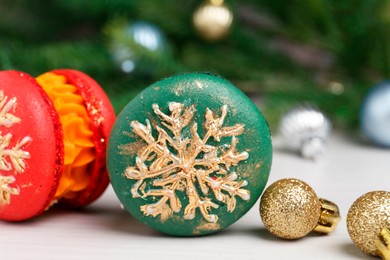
(305, 129)
(375, 115)
(125, 47)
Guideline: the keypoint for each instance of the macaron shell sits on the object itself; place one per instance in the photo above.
(39, 122)
(165, 144)
(102, 117)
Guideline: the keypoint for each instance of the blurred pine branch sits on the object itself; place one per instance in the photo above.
(285, 51)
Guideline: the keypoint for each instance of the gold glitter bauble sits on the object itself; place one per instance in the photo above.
(367, 216)
(213, 20)
(290, 208)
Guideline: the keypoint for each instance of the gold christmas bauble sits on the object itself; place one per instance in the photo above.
(290, 209)
(366, 218)
(213, 20)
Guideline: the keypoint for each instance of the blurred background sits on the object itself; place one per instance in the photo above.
(280, 53)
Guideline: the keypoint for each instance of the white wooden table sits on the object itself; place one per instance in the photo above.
(104, 231)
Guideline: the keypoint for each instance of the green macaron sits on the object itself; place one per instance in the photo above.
(190, 155)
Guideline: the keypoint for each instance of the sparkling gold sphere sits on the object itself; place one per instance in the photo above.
(213, 20)
(290, 208)
(367, 216)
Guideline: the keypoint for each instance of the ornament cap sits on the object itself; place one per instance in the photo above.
(383, 243)
(313, 148)
(329, 218)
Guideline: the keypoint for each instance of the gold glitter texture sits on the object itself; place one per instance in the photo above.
(366, 218)
(188, 164)
(290, 209)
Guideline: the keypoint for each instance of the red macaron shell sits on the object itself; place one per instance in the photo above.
(39, 122)
(102, 116)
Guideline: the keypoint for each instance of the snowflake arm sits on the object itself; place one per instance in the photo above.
(214, 128)
(231, 156)
(6, 118)
(195, 202)
(143, 131)
(161, 207)
(232, 187)
(159, 147)
(16, 154)
(178, 119)
(5, 190)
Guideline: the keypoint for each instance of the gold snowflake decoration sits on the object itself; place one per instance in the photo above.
(11, 158)
(184, 161)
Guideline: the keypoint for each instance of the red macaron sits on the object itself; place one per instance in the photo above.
(53, 136)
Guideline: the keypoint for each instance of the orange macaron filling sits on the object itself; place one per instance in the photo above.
(79, 150)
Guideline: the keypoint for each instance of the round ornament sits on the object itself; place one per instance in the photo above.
(189, 155)
(290, 209)
(130, 45)
(213, 20)
(305, 128)
(375, 115)
(368, 223)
